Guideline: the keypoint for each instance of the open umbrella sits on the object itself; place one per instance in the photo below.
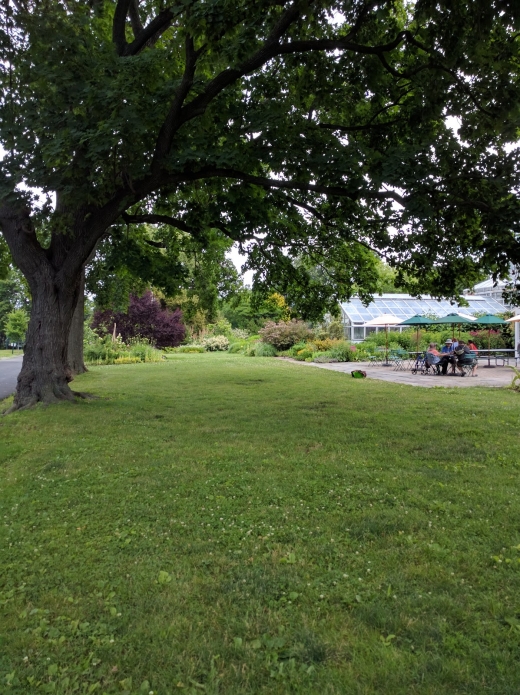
(490, 320)
(455, 320)
(417, 321)
(384, 320)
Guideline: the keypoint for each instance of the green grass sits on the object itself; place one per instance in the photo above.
(10, 353)
(235, 525)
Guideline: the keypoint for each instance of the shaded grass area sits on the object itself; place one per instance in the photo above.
(227, 525)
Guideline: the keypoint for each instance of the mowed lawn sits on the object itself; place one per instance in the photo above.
(233, 525)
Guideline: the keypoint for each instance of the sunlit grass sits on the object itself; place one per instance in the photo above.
(233, 525)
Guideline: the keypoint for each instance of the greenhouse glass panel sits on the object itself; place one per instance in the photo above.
(404, 306)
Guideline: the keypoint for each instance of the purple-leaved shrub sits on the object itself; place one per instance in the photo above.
(284, 334)
(145, 318)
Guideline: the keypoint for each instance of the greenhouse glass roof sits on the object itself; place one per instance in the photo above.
(404, 307)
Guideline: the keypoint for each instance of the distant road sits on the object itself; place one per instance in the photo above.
(9, 370)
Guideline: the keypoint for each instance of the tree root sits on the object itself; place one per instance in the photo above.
(86, 396)
(32, 402)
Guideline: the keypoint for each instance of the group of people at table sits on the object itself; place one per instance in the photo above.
(456, 353)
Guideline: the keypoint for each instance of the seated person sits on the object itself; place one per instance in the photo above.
(447, 356)
(474, 349)
(432, 357)
(463, 355)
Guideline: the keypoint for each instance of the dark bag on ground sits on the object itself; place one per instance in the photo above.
(358, 374)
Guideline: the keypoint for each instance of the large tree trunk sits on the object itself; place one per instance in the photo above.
(45, 374)
(54, 277)
(75, 347)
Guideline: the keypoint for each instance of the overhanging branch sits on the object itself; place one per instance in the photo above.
(267, 183)
(157, 219)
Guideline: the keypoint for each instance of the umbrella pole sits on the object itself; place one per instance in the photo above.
(386, 345)
(489, 365)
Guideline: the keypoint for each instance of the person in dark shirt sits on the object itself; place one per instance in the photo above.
(463, 355)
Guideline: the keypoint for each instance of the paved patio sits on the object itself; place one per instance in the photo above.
(497, 377)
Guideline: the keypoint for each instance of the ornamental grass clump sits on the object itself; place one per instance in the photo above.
(265, 350)
(285, 334)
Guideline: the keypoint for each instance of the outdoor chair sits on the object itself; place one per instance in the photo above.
(431, 364)
(467, 365)
(374, 359)
(398, 358)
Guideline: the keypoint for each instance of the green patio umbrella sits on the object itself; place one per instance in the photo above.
(490, 320)
(456, 320)
(417, 321)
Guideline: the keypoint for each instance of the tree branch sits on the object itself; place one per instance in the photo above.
(356, 128)
(167, 131)
(227, 77)
(135, 19)
(157, 219)
(295, 185)
(118, 26)
(151, 32)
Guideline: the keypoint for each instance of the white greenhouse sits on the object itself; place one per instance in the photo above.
(354, 315)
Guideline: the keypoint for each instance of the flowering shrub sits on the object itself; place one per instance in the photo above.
(326, 344)
(305, 354)
(285, 334)
(239, 333)
(215, 343)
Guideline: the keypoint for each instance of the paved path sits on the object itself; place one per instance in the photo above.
(499, 376)
(9, 369)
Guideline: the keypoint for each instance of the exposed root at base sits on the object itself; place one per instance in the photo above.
(16, 408)
(86, 396)
(31, 403)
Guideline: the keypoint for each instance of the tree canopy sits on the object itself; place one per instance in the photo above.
(310, 132)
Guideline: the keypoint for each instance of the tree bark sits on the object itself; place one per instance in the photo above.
(45, 374)
(75, 359)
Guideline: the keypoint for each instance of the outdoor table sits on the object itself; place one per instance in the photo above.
(498, 353)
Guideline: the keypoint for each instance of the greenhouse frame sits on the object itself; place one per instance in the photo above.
(354, 315)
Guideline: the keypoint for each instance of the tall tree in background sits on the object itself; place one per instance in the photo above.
(13, 297)
(312, 129)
